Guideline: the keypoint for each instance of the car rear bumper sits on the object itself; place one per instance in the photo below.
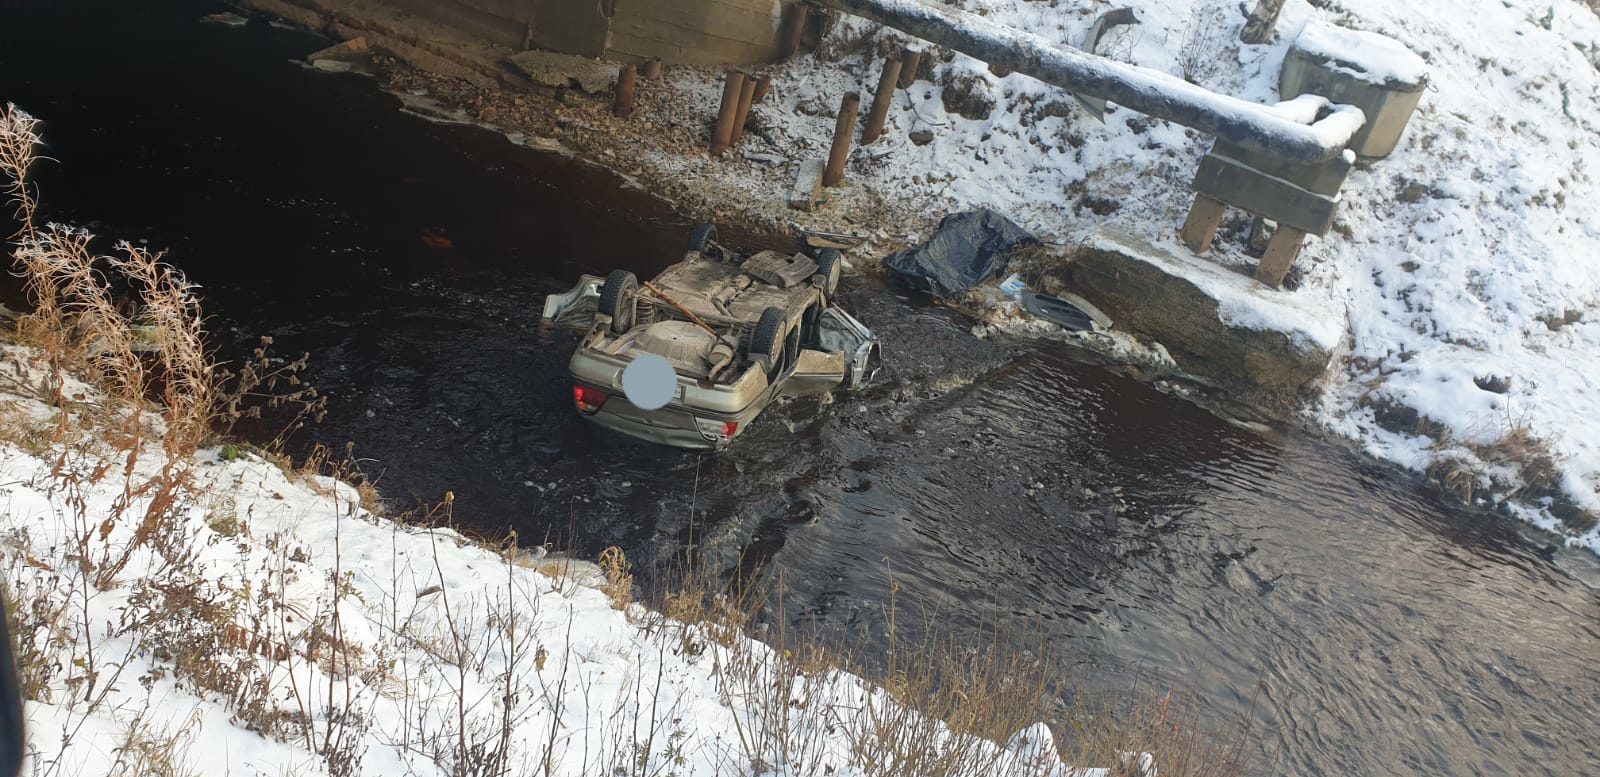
(672, 425)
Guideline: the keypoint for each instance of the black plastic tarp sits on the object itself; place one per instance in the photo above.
(967, 249)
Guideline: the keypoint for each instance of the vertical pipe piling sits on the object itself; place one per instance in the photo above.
(725, 115)
(794, 28)
(747, 93)
(763, 85)
(846, 126)
(882, 99)
(622, 104)
(652, 69)
(910, 60)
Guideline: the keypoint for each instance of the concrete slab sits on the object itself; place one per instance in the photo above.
(807, 186)
(548, 68)
(1267, 349)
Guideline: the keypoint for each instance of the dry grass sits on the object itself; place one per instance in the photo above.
(116, 350)
(936, 704)
(619, 579)
(1518, 466)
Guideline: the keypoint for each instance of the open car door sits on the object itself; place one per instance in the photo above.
(838, 332)
(815, 372)
(577, 308)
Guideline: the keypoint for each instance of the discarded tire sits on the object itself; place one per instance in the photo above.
(619, 300)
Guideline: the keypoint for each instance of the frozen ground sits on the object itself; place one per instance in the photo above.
(272, 626)
(1466, 257)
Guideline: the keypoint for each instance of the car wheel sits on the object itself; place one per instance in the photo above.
(704, 239)
(830, 266)
(768, 338)
(619, 299)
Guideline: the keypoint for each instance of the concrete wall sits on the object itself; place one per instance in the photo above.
(700, 32)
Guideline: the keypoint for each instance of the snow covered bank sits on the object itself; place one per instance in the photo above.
(1463, 262)
(274, 626)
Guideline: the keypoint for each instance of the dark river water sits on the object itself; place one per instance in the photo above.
(1382, 632)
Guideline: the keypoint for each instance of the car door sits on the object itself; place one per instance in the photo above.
(840, 333)
(576, 309)
(815, 372)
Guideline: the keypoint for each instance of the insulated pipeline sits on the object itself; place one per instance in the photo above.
(1252, 125)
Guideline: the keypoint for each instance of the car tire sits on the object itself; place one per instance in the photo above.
(704, 240)
(830, 266)
(767, 340)
(619, 300)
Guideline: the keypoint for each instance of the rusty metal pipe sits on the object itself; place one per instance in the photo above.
(794, 28)
(833, 174)
(763, 85)
(1147, 91)
(731, 89)
(622, 104)
(747, 93)
(910, 61)
(881, 100)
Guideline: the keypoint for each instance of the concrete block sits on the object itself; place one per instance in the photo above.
(1325, 178)
(1372, 72)
(1265, 349)
(697, 32)
(1264, 195)
(807, 185)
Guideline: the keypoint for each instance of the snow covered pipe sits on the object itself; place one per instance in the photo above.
(1252, 125)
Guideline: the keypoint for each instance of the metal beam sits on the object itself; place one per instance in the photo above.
(1240, 122)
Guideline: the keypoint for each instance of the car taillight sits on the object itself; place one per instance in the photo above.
(588, 399)
(712, 429)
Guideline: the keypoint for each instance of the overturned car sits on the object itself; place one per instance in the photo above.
(738, 331)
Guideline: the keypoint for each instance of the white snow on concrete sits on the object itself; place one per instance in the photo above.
(1376, 59)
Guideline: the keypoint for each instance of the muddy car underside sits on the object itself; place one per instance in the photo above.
(738, 332)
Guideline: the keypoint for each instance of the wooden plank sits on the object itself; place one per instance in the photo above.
(1281, 252)
(1201, 225)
